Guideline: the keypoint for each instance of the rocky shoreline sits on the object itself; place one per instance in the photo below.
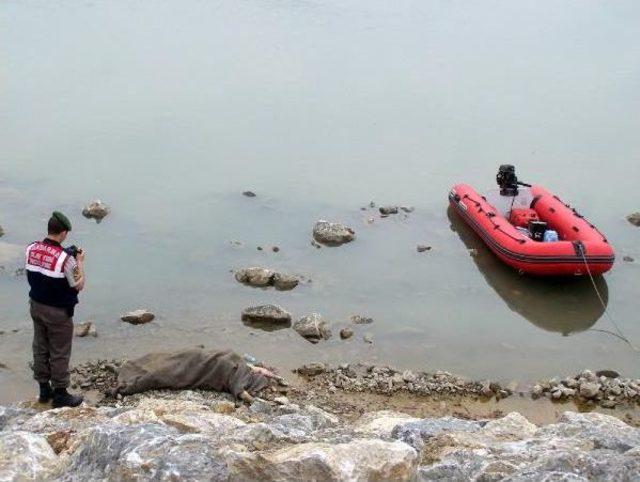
(605, 388)
(307, 430)
(207, 436)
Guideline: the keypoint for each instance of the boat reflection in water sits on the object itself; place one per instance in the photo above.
(563, 305)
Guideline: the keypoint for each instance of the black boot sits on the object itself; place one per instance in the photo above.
(45, 393)
(62, 398)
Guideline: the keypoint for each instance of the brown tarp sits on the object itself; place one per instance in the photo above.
(219, 370)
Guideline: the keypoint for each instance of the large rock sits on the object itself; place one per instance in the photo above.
(210, 423)
(138, 317)
(96, 209)
(511, 427)
(579, 447)
(332, 234)
(357, 460)
(143, 452)
(312, 327)
(634, 218)
(602, 431)
(184, 415)
(12, 417)
(25, 456)
(255, 276)
(272, 314)
(66, 419)
(418, 432)
(382, 423)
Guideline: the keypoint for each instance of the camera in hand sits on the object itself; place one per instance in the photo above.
(73, 250)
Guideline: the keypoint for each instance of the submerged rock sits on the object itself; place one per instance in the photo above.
(312, 327)
(261, 277)
(346, 333)
(421, 248)
(249, 194)
(332, 234)
(628, 259)
(266, 314)
(138, 317)
(285, 282)
(388, 210)
(634, 218)
(1, 232)
(360, 320)
(255, 276)
(96, 209)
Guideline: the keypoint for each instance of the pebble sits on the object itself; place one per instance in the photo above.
(311, 369)
(346, 333)
(367, 338)
(421, 248)
(249, 194)
(628, 259)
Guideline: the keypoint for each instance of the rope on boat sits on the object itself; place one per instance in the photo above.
(604, 305)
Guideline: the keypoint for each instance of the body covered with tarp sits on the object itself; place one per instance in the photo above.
(219, 370)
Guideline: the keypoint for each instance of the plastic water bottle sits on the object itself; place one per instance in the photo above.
(550, 236)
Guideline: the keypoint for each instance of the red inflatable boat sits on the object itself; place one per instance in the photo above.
(575, 246)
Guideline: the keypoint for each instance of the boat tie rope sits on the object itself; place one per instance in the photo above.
(602, 302)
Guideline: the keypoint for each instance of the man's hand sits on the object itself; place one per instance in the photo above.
(80, 256)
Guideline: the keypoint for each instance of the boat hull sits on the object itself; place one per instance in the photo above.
(582, 249)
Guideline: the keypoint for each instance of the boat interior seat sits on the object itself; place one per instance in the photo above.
(504, 204)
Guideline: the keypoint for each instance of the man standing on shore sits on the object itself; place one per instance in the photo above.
(55, 276)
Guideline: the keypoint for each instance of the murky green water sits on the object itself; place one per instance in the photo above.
(169, 110)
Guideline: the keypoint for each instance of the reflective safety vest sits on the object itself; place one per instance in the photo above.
(45, 262)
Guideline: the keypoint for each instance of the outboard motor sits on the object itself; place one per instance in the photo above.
(507, 180)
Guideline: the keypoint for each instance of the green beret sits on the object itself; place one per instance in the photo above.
(62, 219)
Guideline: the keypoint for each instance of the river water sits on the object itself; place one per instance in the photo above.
(168, 110)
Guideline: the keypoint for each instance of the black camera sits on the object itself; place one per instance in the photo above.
(73, 250)
(507, 180)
